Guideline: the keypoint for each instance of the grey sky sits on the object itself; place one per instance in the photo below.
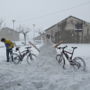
(43, 13)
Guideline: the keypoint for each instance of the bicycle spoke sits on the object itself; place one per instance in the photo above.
(79, 63)
(30, 58)
(16, 58)
(61, 60)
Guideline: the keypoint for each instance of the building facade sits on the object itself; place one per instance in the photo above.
(9, 33)
(69, 30)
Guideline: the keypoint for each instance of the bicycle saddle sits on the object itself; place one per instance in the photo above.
(62, 47)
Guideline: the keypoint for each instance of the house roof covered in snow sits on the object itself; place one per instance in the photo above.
(65, 20)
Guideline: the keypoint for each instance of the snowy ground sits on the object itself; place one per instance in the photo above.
(45, 73)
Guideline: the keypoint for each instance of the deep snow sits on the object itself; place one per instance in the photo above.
(45, 73)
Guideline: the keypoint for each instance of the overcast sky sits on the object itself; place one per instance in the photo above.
(42, 13)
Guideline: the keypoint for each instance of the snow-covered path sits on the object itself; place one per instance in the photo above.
(44, 73)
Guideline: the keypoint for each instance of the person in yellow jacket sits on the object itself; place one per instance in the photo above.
(9, 46)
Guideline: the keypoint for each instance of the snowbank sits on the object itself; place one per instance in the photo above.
(45, 73)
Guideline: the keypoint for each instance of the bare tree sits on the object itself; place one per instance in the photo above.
(24, 31)
(1, 23)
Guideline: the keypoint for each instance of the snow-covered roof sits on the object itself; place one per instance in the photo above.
(9, 29)
(65, 20)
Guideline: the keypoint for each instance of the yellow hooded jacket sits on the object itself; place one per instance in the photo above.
(9, 44)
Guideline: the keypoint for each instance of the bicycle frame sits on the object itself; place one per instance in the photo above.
(24, 53)
(66, 53)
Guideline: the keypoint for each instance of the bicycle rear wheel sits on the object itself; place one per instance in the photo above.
(60, 60)
(16, 58)
(79, 63)
(30, 58)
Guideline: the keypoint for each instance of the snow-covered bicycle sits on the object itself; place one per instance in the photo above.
(18, 57)
(76, 62)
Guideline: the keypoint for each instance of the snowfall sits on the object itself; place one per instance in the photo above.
(44, 73)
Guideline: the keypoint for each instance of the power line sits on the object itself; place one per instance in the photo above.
(60, 11)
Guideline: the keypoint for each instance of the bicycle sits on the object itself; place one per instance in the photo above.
(76, 62)
(18, 57)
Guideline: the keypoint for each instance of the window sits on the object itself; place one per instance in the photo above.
(48, 36)
(79, 26)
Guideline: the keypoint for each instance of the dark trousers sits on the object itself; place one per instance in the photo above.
(8, 54)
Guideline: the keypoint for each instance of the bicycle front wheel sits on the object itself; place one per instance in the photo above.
(30, 58)
(60, 60)
(79, 63)
(16, 58)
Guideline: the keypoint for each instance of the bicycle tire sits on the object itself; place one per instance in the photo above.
(16, 58)
(79, 63)
(10, 58)
(30, 58)
(61, 60)
(58, 58)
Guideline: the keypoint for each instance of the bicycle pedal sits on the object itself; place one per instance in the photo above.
(64, 67)
(59, 62)
(72, 63)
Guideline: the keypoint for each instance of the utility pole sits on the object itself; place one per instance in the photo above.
(13, 23)
(33, 31)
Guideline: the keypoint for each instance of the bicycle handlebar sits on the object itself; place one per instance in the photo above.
(66, 47)
(74, 47)
(27, 47)
(17, 48)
